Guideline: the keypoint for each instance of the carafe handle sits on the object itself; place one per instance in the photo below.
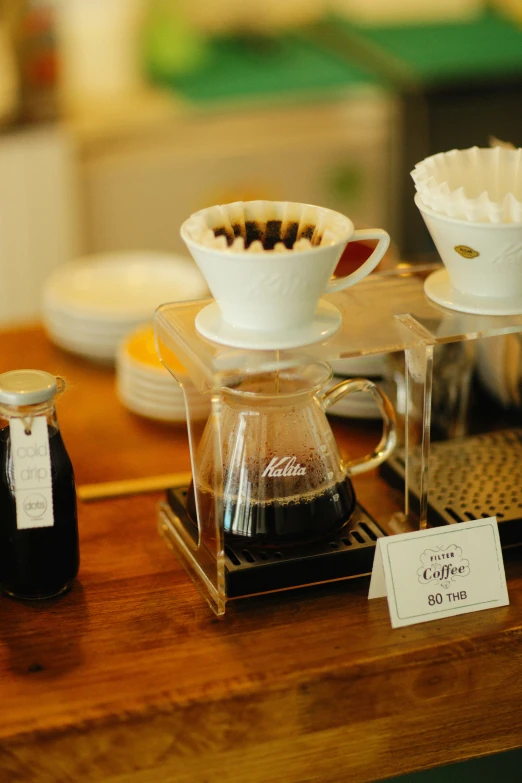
(388, 440)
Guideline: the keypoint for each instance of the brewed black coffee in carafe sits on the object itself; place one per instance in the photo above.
(283, 479)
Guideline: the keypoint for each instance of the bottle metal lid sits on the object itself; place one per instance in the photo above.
(26, 387)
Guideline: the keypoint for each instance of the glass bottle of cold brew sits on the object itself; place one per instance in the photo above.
(39, 550)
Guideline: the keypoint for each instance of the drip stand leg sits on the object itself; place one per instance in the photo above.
(419, 381)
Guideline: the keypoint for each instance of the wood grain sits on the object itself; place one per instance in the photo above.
(135, 486)
(130, 678)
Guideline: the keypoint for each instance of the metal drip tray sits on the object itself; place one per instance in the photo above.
(347, 554)
(469, 478)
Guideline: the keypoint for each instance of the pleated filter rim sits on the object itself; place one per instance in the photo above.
(477, 184)
(266, 226)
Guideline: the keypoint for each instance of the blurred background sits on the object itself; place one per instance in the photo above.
(118, 118)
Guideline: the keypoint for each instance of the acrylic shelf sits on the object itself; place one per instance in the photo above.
(386, 313)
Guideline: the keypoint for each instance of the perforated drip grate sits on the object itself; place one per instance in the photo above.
(469, 478)
(347, 554)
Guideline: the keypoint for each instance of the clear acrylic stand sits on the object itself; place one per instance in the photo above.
(385, 313)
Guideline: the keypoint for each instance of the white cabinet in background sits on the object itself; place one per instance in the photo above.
(139, 187)
(38, 216)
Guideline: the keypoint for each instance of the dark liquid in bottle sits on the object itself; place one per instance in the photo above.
(276, 523)
(39, 562)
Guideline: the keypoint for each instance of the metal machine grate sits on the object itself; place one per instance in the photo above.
(349, 553)
(469, 478)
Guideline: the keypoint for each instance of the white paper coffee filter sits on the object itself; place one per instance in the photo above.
(265, 226)
(477, 184)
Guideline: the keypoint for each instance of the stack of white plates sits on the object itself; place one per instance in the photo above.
(91, 304)
(499, 366)
(145, 387)
(359, 405)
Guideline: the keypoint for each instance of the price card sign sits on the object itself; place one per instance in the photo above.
(436, 573)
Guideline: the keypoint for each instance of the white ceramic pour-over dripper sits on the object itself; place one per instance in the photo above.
(482, 264)
(271, 298)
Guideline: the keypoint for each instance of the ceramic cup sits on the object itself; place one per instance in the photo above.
(276, 290)
(482, 259)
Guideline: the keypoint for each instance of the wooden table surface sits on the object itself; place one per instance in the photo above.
(130, 677)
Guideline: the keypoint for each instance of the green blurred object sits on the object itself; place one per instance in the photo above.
(256, 66)
(327, 56)
(482, 48)
(456, 84)
(346, 182)
(170, 45)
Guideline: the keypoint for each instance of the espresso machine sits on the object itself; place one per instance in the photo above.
(271, 505)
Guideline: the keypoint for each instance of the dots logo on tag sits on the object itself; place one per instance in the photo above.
(35, 506)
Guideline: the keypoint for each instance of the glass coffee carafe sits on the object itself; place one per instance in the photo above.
(284, 481)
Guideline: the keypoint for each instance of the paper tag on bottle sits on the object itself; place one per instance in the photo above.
(32, 473)
(440, 572)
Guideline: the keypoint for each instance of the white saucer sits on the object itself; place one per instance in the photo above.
(438, 288)
(355, 406)
(211, 325)
(374, 366)
(121, 288)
